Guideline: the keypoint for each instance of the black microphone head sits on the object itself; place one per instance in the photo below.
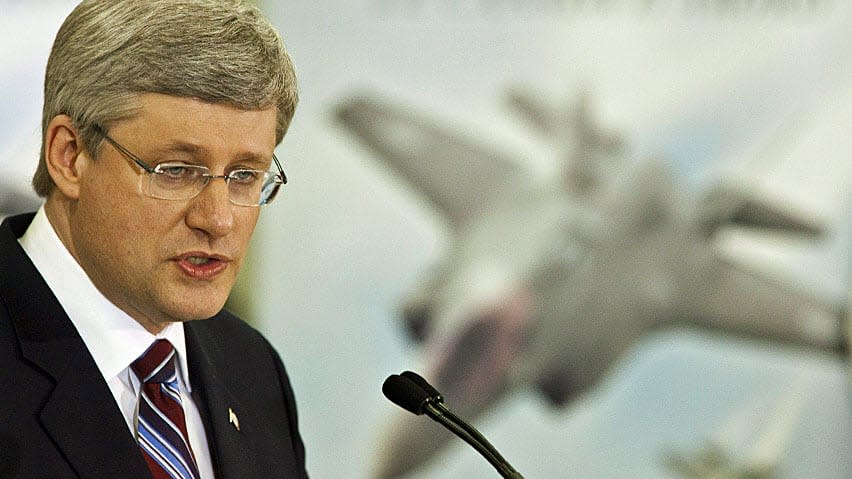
(433, 393)
(405, 393)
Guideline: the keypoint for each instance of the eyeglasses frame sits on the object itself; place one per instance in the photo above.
(151, 171)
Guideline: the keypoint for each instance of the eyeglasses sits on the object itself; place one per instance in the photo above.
(180, 181)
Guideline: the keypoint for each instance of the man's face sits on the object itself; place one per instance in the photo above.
(160, 260)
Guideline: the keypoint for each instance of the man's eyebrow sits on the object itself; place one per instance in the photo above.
(179, 147)
(260, 159)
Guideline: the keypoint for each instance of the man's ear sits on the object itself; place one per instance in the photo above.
(63, 147)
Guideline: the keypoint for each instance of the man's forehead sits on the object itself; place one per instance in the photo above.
(170, 124)
(164, 105)
(187, 114)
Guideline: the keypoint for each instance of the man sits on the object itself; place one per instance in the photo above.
(159, 125)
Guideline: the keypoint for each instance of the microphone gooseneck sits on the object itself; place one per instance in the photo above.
(437, 399)
(414, 394)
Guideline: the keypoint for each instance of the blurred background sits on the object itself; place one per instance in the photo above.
(754, 93)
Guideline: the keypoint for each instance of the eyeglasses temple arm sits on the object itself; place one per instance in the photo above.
(280, 170)
(124, 151)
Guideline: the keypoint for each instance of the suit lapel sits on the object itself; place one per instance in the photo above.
(84, 421)
(79, 413)
(231, 442)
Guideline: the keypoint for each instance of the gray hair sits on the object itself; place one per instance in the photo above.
(107, 52)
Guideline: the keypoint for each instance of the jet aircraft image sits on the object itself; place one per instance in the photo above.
(547, 283)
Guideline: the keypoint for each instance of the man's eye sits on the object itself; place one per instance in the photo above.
(176, 171)
(244, 176)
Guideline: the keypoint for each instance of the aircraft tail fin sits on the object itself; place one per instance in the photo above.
(730, 205)
(589, 150)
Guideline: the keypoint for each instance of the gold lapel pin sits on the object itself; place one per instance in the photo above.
(233, 419)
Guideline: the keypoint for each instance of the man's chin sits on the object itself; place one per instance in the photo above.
(192, 309)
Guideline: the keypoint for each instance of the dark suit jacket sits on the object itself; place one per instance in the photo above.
(58, 418)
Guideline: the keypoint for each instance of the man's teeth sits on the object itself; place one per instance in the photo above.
(197, 260)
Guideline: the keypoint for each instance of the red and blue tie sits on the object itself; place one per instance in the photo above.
(161, 425)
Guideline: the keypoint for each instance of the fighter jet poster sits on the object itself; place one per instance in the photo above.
(614, 234)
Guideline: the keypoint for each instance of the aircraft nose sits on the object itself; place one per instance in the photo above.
(417, 318)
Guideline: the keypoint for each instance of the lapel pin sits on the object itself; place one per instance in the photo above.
(232, 418)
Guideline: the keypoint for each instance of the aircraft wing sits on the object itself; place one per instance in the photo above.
(458, 176)
(748, 303)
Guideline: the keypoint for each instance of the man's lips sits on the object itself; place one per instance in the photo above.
(200, 265)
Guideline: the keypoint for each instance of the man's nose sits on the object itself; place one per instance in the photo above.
(212, 211)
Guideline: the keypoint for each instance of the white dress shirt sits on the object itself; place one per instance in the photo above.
(113, 338)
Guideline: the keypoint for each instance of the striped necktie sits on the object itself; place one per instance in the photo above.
(161, 426)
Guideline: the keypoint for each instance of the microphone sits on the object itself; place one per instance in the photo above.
(413, 393)
(436, 398)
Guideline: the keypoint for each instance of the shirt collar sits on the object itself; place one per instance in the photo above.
(113, 338)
